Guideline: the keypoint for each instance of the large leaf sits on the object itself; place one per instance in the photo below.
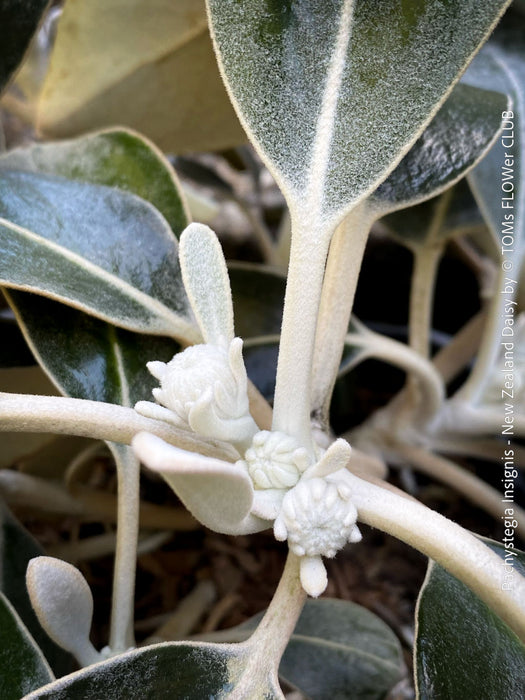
(309, 112)
(338, 651)
(87, 358)
(17, 547)
(115, 157)
(192, 671)
(463, 650)
(18, 23)
(91, 245)
(147, 65)
(456, 139)
(22, 665)
(341, 651)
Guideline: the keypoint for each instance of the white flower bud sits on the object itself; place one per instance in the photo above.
(204, 389)
(317, 518)
(275, 460)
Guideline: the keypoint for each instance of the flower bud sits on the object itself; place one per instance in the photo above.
(275, 460)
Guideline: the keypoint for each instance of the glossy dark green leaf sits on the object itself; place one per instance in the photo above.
(88, 358)
(22, 665)
(258, 297)
(456, 139)
(191, 671)
(18, 23)
(332, 124)
(17, 547)
(464, 650)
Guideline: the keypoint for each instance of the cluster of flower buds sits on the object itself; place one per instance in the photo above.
(275, 481)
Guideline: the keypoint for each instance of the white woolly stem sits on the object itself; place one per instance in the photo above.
(122, 608)
(340, 282)
(275, 629)
(94, 419)
(455, 549)
(303, 293)
(469, 485)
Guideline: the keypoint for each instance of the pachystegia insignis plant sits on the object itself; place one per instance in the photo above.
(358, 111)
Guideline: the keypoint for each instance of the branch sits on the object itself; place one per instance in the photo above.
(455, 549)
(94, 419)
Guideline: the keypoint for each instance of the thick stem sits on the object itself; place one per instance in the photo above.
(456, 549)
(469, 485)
(275, 629)
(94, 419)
(303, 294)
(121, 635)
(340, 282)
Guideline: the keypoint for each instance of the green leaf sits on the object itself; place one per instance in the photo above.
(456, 139)
(501, 66)
(18, 23)
(22, 665)
(192, 671)
(147, 65)
(332, 125)
(17, 547)
(116, 158)
(89, 244)
(92, 247)
(88, 358)
(463, 650)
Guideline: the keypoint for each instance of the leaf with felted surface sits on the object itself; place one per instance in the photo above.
(148, 65)
(456, 139)
(185, 670)
(463, 650)
(87, 358)
(18, 23)
(23, 667)
(115, 157)
(308, 113)
(95, 248)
